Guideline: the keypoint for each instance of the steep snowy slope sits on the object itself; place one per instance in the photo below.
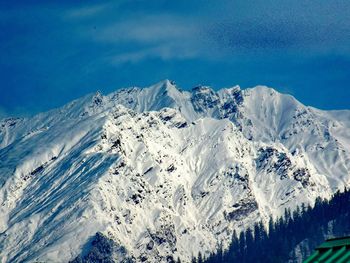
(163, 172)
(322, 137)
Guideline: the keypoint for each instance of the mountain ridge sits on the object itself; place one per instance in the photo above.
(162, 171)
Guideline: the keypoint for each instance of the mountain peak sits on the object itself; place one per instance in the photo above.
(164, 85)
(162, 172)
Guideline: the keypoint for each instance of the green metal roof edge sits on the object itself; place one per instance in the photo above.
(335, 242)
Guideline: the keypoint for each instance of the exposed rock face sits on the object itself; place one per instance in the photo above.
(102, 249)
(161, 173)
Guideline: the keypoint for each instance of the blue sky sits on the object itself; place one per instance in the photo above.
(51, 53)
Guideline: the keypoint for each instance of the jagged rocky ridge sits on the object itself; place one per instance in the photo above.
(162, 172)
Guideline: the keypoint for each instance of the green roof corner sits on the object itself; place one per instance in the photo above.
(333, 250)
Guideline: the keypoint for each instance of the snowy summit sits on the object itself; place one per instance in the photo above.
(159, 173)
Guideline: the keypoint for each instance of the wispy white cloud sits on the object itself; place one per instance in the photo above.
(162, 51)
(147, 29)
(85, 11)
(150, 36)
(135, 34)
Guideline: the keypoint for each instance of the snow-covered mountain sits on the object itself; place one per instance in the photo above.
(163, 173)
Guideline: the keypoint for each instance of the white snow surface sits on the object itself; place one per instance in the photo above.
(161, 171)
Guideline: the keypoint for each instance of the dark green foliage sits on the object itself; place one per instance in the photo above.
(200, 259)
(277, 245)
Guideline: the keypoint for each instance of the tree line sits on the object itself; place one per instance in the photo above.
(306, 226)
